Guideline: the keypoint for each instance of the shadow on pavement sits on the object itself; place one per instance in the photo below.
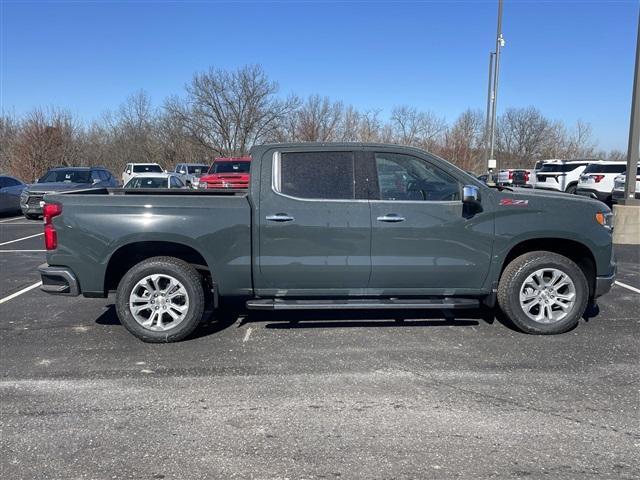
(309, 319)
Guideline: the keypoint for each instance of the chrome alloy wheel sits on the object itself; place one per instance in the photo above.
(547, 295)
(159, 302)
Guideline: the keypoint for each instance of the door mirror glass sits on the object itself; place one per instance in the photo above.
(470, 194)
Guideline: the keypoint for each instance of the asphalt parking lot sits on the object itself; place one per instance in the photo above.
(324, 395)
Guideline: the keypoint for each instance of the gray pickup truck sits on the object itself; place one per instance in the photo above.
(332, 226)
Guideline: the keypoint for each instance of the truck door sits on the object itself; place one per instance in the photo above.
(314, 224)
(421, 242)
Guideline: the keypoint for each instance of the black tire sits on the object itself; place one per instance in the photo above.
(31, 216)
(183, 273)
(571, 189)
(514, 276)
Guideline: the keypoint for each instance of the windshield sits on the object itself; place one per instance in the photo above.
(560, 167)
(230, 167)
(604, 168)
(197, 169)
(147, 182)
(66, 176)
(147, 168)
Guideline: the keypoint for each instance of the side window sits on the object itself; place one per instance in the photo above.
(175, 183)
(95, 176)
(315, 175)
(4, 182)
(178, 168)
(407, 178)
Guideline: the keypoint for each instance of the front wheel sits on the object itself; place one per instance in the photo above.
(160, 299)
(543, 293)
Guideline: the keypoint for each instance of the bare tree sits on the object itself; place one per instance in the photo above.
(415, 128)
(46, 138)
(228, 112)
(463, 141)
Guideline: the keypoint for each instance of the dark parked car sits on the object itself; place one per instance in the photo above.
(330, 226)
(10, 190)
(63, 179)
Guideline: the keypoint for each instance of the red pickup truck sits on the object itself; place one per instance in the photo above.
(229, 172)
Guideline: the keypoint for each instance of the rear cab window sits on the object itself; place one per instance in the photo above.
(315, 175)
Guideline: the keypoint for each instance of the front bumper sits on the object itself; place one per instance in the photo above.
(58, 281)
(603, 285)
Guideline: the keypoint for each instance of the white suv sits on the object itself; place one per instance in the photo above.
(618, 186)
(597, 180)
(561, 175)
(133, 169)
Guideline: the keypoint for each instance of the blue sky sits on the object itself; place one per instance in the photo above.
(573, 60)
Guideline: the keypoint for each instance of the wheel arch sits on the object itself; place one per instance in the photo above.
(128, 255)
(573, 250)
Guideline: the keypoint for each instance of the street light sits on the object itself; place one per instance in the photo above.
(492, 96)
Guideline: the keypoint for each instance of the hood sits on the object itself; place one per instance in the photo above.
(55, 187)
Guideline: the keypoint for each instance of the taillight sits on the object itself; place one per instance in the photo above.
(49, 211)
(597, 178)
(526, 176)
(510, 174)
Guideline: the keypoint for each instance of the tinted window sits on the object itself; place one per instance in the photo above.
(198, 169)
(67, 176)
(175, 182)
(403, 177)
(595, 168)
(561, 167)
(146, 168)
(147, 182)
(9, 182)
(95, 176)
(317, 175)
(230, 167)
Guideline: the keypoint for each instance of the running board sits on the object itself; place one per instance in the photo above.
(364, 304)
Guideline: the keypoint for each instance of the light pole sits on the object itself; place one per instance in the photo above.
(634, 132)
(492, 100)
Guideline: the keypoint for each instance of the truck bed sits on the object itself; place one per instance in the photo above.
(99, 228)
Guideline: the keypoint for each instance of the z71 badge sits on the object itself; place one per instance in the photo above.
(513, 202)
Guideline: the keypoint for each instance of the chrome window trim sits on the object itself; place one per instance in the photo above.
(276, 171)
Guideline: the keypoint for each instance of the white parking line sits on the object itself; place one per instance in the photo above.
(20, 292)
(20, 251)
(247, 335)
(20, 239)
(10, 219)
(624, 285)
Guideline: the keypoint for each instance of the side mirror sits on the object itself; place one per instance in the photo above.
(470, 194)
(182, 172)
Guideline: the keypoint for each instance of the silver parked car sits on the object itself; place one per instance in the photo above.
(10, 190)
(190, 173)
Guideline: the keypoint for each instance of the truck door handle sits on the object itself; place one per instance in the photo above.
(391, 218)
(280, 217)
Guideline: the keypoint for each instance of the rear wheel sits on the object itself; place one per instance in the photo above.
(571, 189)
(160, 299)
(31, 216)
(543, 293)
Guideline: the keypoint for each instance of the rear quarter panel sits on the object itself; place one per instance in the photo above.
(93, 227)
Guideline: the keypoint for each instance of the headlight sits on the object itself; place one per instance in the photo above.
(24, 196)
(605, 219)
